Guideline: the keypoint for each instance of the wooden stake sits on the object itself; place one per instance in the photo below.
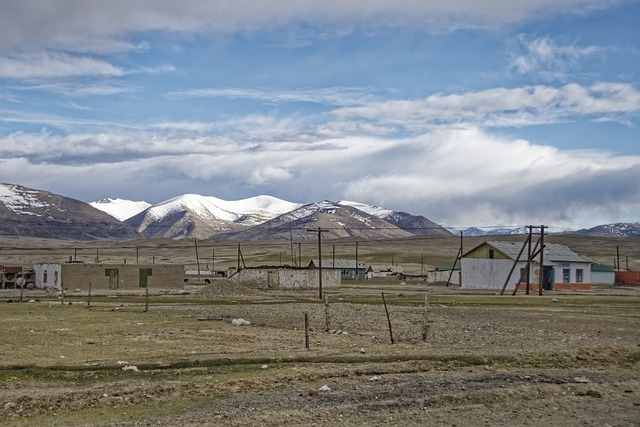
(146, 299)
(89, 296)
(306, 330)
(326, 313)
(425, 317)
(388, 319)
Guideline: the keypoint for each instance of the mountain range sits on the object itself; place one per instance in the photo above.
(37, 213)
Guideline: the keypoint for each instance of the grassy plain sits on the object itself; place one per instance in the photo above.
(562, 358)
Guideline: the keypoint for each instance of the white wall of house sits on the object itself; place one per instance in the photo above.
(572, 272)
(47, 276)
(481, 273)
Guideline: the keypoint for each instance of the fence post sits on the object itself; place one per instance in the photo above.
(425, 317)
(146, 298)
(89, 296)
(306, 330)
(326, 313)
(388, 319)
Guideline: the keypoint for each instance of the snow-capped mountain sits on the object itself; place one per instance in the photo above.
(193, 215)
(26, 212)
(503, 231)
(415, 224)
(337, 221)
(618, 229)
(36, 213)
(120, 209)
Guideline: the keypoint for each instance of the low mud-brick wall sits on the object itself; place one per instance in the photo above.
(286, 278)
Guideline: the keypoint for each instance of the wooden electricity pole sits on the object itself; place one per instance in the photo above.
(542, 227)
(320, 231)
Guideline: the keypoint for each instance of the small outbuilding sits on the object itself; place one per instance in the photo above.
(487, 266)
(442, 275)
(602, 274)
(347, 267)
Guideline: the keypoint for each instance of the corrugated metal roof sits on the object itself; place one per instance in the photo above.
(553, 252)
(560, 253)
(602, 268)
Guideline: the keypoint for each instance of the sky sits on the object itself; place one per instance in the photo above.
(472, 113)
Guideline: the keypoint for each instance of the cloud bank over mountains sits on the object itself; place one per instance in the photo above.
(473, 113)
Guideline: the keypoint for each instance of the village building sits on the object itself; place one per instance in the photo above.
(443, 275)
(602, 274)
(487, 266)
(347, 267)
(109, 276)
(385, 271)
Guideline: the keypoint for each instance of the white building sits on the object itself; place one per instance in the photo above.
(47, 275)
(487, 266)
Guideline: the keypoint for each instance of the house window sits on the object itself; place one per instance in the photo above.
(523, 275)
(579, 275)
(55, 277)
(566, 275)
(44, 277)
(491, 253)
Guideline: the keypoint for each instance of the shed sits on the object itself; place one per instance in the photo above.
(347, 267)
(384, 271)
(487, 266)
(443, 274)
(602, 274)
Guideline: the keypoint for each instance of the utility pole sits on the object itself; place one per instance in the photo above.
(320, 231)
(542, 227)
(528, 265)
(195, 242)
(357, 275)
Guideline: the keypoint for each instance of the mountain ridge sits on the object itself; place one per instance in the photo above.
(28, 212)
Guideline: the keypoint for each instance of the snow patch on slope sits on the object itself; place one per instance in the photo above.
(18, 201)
(371, 210)
(253, 210)
(120, 209)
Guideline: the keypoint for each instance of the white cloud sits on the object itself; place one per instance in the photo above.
(457, 176)
(101, 26)
(501, 107)
(47, 64)
(340, 96)
(543, 57)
